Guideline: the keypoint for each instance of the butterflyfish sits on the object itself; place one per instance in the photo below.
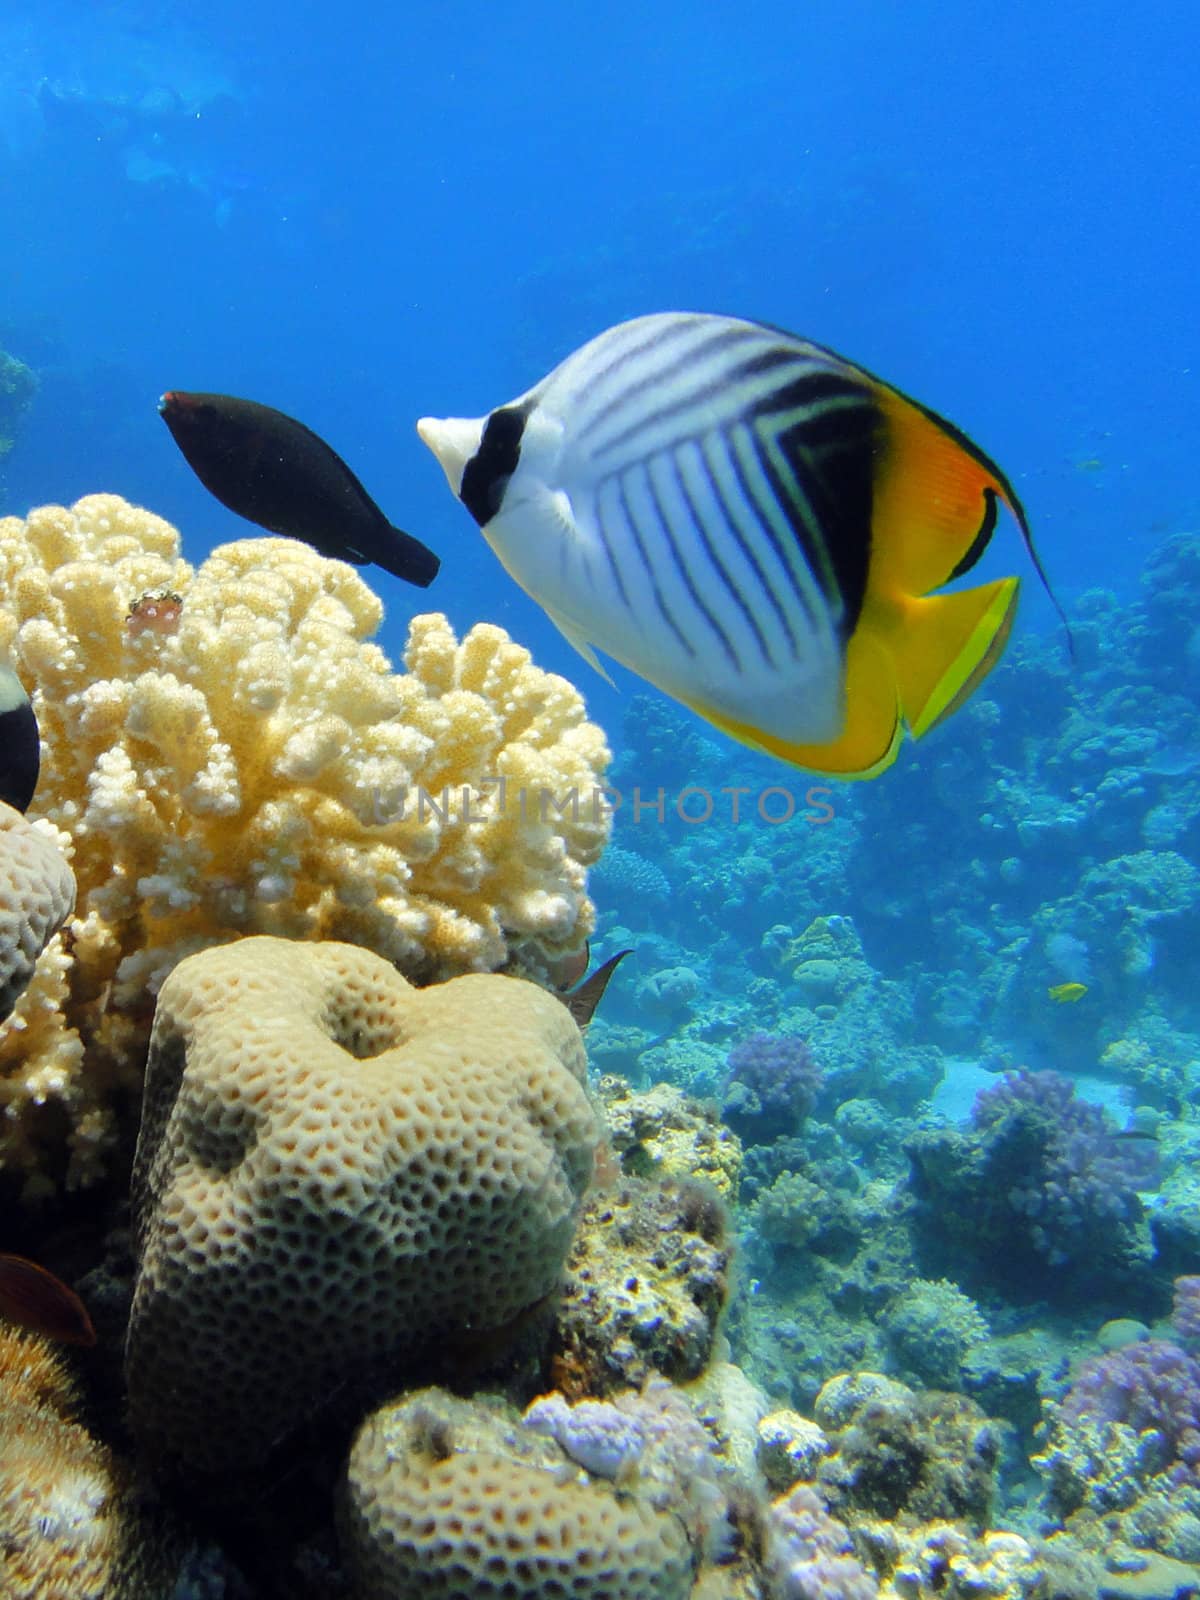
(41, 1303)
(20, 742)
(1066, 994)
(753, 524)
(272, 470)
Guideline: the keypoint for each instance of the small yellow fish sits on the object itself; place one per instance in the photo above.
(1066, 994)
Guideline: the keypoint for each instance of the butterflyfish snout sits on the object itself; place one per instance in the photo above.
(453, 440)
(754, 524)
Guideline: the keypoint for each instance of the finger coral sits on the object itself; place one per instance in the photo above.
(252, 764)
(335, 1172)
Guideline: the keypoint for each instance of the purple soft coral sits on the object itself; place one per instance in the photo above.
(810, 1555)
(1151, 1385)
(1186, 1312)
(773, 1084)
(1086, 1178)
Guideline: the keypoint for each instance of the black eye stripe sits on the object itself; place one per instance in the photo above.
(494, 463)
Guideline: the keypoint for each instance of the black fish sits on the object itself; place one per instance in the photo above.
(271, 469)
(582, 1001)
(38, 1301)
(20, 746)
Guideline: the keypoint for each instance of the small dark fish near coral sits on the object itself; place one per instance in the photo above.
(582, 1001)
(20, 745)
(565, 971)
(272, 470)
(41, 1303)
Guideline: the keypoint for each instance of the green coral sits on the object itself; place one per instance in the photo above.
(931, 1330)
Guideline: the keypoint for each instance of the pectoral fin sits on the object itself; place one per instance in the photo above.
(576, 639)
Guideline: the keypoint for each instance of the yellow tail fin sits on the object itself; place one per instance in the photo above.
(944, 645)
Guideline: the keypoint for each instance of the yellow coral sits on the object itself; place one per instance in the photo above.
(60, 1492)
(70, 1523)
(662, 1132)
(261, 769)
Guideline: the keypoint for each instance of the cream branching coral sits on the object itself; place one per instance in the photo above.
(252, 764)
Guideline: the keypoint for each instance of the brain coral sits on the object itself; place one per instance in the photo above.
(336, 1171)
(442, 1503)
(37, 895)
(255, 766)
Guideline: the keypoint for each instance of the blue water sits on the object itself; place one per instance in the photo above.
(413, 210)
(365, 214)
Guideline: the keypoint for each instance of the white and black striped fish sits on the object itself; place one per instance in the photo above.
(20, 744)
(751, 523)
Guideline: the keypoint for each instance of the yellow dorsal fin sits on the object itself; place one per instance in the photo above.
(934, 501)
(935, 497)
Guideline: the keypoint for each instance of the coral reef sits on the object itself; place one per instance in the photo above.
(18, 385)
(895, 1451)
(322, 1223)
(652, 1437)
(905, 1523)
(70, 1528)
(257, 767)
(645, 1284)
(446, 1500)
(1121, 1456)
(772, 1086)
(37, 895)
(931, 1329)
(1064, 821)
(809, 1554)
(662, 1132)
(1037, 1193)
(336, 1171)
(1185, 1310)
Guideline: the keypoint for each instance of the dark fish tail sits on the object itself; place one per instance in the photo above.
(20, 743)
(41, 1303)
(582, 1001)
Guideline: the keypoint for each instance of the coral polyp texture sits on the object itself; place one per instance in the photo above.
(336, 1170)
(37, 895)
(444, 1502)
(1121, 1454)
(252, 764)
(63, 1519)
